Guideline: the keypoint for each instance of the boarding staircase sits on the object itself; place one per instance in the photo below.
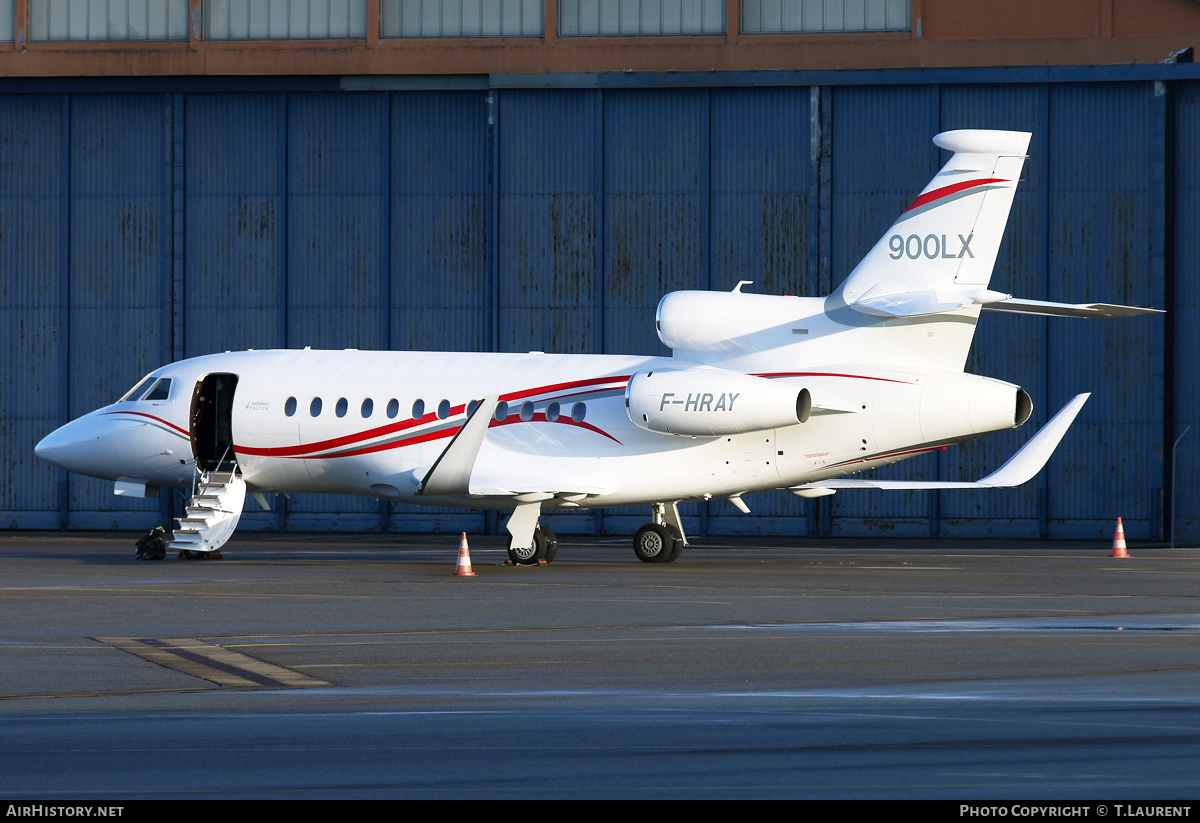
(212, 515)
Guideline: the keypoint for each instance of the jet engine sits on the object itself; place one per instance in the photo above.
(712, 402)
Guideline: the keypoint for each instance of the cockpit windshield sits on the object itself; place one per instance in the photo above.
(149, 388)
(138, 390)
(160, 391)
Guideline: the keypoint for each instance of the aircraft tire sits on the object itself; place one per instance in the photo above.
(653, 543)
(551, 543)
(676, 546)
(531, 556)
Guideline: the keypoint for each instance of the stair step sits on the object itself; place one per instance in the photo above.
(211, 515)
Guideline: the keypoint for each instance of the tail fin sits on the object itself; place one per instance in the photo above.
(939, 254)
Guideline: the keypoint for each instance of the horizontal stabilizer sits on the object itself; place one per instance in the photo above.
(1017, 305)
(908, 304)
(896, 303)
(1020, 468)
(451, 473)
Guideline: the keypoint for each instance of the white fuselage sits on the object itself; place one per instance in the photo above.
(566, 429)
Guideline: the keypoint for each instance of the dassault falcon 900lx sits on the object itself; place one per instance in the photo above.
(761, 392)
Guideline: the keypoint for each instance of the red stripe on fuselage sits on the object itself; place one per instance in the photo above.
(885, 456)
(829, 374)
(308, 449)
(184, 432)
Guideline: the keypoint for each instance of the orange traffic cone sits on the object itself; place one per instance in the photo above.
(463, 569)
(1119, 542)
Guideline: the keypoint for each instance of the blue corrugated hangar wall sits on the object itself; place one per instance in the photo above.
(142, 224)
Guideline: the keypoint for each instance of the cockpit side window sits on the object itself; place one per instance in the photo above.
(161, 390)
(136, 391)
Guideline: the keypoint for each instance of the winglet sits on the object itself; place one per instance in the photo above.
(451, 472)
(1020, 468)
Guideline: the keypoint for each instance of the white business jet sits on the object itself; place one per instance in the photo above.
(761, 392)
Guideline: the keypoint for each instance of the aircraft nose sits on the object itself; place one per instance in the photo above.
(79, 446)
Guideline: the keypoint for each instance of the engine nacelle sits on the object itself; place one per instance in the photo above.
(712, 402)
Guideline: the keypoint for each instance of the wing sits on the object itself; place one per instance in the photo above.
(1020, 468)
(456, 472)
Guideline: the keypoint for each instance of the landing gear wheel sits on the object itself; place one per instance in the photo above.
(654, 543)
(551, 543)
(529, 555)
(676, 547)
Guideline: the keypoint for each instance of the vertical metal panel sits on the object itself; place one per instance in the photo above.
(763, 172)
(235, 226)
(440, 179)
(656, 157)
(1186, 309)
(233, 223)
(656, 226)
(337, 189)
(32, 382)
(120, 236)
(439, 237)
(1099, 249)
(1007, 347)
(337, 281)
(882, 157)
(548, 221)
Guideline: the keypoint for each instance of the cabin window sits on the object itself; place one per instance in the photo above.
(471, 407)
(443, 410)
(289, 406)
(341, 408)
(314, 408)
(368, 407)
(393, 408)
(526, 411)
(552, 412)
(501, 410)
(418, 410)
(578, 412)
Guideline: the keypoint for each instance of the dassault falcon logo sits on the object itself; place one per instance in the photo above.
(701, 401)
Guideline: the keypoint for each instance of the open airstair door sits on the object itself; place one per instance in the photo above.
(219, 492)
(212, 423)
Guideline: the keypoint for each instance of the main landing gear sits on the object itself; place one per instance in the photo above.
(661, 541)
(543, 550)
(531, 543)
